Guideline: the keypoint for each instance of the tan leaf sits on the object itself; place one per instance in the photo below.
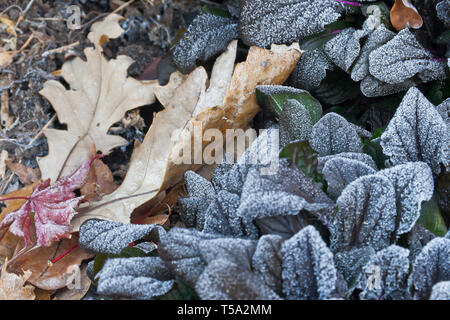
(3, 157)
(100, 95)
(79, 289)
(261, 67)
(26, 175)
(155, 164)
(13, 287)
(45, 274)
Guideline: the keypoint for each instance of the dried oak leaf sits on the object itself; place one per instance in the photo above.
(417, 132)
(157, 163)
(13, 287)
(100, 95)
(53, 207)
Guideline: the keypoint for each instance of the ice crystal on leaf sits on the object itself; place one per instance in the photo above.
(385, 275)
(107, 237)
(264, 22)
(441, 291)
(333, 134)
(443, 11)
(417, 132)
(402, 58)
(295, 122)
(134, 278)
(431, 266)
(360, 157)
(53, 206)
(207, 36)
(366, 214)
(308, 270)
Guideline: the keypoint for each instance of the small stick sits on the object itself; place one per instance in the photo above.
(42, 130)
(60, 49)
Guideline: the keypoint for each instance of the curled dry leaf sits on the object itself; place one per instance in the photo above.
(228, 102)
(404, 15)
(12, 286)
(45, 274)
(26, 174)
(100, 95)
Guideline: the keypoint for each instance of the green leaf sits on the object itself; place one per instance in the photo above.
(127, 252)
(318, 40)
(336, 88)
(273, 99)
(431, 217)
(305, 158)
(180, 291)
(216, 11)
(373, 148)
(443, 38)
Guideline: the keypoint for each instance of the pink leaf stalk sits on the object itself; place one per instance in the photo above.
(53, 207)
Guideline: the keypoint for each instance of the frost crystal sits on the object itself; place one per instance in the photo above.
(385, 275)
(443, 11)
(197, 186)
(284, 193)
(134, 278)
(225, 280)
(339, 172)
(418, 239)
(360, 157)
(372, 87)
(295, 122)
(344, 48)
(350, 263)
(416, 133)
(308, 270)
(441, 291)
(264, 22)
(239, 251)
(431, 266)
(207, 36)
(311, 69)
(266, 261)
(179, 249)
(413, 184)
(333, 134)
(366, 214)
(377, 38)
(99, 236)
(402, 58)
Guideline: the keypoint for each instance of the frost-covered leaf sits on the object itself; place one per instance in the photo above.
(311, 69)
(339, 172)
(333, 134)
(413, 184)
(402, 58)
(350, 263)
(360, 157)
(286, 192)
(134, 278)
(205, 37)
(198, 186)
(377, 38)
(385, 275)
(221, 217)
(373, 87)
(266, 261)
(225, 280)
(14, 287)
(274, 98)
(179, 249)
(295, 122)
(416, 133)
(441, 291)
(344, 48)
(431, 266)
(263, 22)
(238, 251)
(443, 11)
(418, 238)
(107, 237)
(366, 214)
(308, 270)
(192, 211)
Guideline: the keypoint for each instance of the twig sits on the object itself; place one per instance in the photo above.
(30, 4)
(42, 130)
(60, 49)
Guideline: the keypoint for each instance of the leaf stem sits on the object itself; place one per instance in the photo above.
(15, 198)
(64, 254)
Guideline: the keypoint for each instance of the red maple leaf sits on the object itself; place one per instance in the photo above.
(53, 207)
